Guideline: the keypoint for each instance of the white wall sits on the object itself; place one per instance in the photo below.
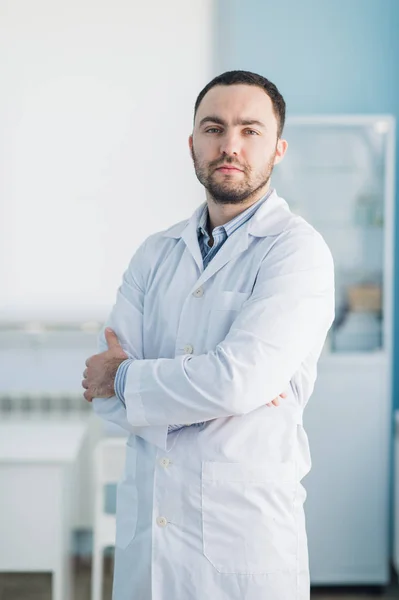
(96, 106)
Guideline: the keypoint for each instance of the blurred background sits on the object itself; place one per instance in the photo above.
(96, 106)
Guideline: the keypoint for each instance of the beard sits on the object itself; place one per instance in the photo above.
(228, 191)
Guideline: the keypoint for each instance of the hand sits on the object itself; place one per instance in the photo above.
(101, 369)
(276, 401)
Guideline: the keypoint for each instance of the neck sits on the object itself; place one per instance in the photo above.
(219, 214)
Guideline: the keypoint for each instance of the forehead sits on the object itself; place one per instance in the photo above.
(231, 102)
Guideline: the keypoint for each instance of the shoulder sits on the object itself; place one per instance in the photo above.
(155, 248)
(300, 245)
(171, 233)
(158, 245)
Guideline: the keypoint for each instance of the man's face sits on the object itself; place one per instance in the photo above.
(234, 143)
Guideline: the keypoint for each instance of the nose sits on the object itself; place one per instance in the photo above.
(229, 144)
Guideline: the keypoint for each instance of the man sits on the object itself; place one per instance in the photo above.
(214, 318)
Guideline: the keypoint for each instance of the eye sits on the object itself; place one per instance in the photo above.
(251, 132)
(212, 130)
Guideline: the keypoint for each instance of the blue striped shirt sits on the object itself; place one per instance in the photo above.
(219, 235)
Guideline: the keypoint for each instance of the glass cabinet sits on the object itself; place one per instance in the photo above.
(338, 175)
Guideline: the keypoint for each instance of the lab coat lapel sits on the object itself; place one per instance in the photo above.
(190, 237)
(270, 219)
(234, 245)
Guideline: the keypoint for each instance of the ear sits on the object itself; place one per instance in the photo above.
(190, 145)
(282, 146)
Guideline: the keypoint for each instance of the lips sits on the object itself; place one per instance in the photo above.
(228, 168)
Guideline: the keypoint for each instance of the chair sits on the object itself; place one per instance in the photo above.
(109, 462)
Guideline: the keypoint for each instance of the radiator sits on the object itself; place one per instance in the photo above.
(43, 405)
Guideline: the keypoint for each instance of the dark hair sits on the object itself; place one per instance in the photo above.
(248, 78)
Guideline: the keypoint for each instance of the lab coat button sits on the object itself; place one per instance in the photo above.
(188, 349)
(199, 292)
(164, 462)
(161, 521)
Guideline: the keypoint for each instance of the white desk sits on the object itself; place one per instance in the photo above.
(36, 491)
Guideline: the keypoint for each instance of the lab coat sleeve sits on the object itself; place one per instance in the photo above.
(288, 313)
(126, 320)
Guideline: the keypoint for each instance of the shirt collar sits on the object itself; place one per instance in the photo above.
(272, 218)
(229, 226)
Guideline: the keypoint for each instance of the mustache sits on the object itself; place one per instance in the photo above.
(227, 161)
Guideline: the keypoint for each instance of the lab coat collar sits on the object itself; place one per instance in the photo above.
(271, 218)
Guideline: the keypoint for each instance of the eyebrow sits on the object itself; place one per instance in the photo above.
(219, 121)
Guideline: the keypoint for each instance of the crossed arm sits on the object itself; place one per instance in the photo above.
(289, 312)
(99, 375)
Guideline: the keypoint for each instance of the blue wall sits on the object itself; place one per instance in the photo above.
(325, 56)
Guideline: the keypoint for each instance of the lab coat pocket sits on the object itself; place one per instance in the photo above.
(248, 517)
(230, 300)
(126, 502)
(225, 307)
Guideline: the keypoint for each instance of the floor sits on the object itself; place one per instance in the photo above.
(38, 587)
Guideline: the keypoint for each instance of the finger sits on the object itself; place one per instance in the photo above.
(85, 384)
(276, 402)
(111, 338)
(283, 395)
(85, 374)
(87, 362)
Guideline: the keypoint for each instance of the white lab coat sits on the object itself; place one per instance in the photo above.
(216, 511)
